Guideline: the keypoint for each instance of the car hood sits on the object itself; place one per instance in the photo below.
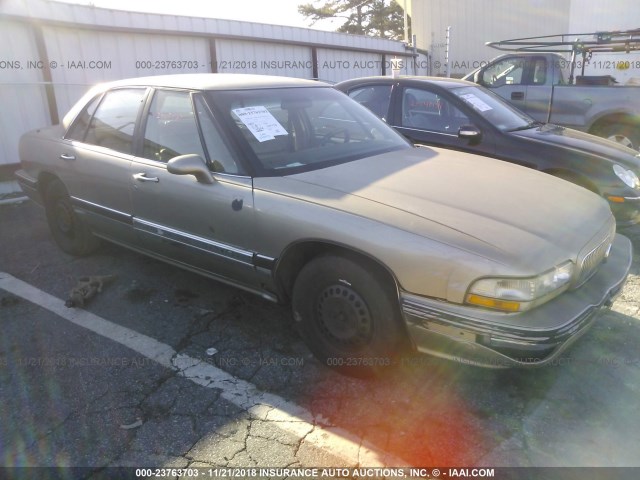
(504, 212)
(583, 142)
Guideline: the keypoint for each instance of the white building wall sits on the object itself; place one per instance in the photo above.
(473, 23)
(237, 56)
(22, 93)
(85, 57)
(595, 16)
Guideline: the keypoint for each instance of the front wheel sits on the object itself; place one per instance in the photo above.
(347, 318)
(68, 230)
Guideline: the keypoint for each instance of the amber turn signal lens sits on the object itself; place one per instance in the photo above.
(486, 302)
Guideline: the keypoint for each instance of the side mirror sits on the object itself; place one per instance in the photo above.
(471, 133)
(191, 164)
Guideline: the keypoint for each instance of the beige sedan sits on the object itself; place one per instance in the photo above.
(289, 189)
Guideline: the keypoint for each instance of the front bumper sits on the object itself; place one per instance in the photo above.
(532, 338)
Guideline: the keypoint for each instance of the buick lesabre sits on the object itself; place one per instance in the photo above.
(291, 190)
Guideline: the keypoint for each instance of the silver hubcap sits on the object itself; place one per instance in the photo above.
(343, 316)
(621, 139)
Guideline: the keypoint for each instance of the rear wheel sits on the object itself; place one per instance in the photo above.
(68, 230)
(346, 316)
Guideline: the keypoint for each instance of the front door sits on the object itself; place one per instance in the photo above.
(508, 78)
(427, 117)
(206, 226)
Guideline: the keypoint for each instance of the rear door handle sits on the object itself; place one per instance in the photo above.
(142, 177)
(66, 156)
(517, 95)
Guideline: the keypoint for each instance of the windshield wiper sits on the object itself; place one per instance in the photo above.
(533, 124)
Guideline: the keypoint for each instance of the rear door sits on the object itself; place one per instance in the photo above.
(98, 157)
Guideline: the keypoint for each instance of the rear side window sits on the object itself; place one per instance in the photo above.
(113, 123)
(78, 129)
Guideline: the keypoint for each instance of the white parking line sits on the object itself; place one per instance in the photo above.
(287, 416)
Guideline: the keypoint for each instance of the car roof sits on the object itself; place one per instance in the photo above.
(193, 81)
(214, 81)
(440, 81)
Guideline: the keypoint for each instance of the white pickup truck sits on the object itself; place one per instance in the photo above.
(542, 85)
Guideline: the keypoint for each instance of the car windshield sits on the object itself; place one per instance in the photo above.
(290, 130)
(493, 108)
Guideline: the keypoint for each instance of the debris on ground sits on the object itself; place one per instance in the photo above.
(9, 301)
(87, 288)
(136, 424)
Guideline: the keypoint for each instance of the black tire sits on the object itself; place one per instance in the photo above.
(68, 230)
(346, 317)
(624, 134)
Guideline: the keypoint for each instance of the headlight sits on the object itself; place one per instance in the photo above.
(519, 294)
(627, 176)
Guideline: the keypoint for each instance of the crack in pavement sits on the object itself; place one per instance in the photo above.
(279, 412)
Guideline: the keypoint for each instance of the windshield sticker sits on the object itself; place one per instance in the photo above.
(260, 122)
(475, 102)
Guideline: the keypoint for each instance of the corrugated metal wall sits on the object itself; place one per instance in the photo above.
(22, 95)
(238, 56)
(86, 57)
(52, 53)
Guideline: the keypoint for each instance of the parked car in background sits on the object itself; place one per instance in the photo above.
(463, 116)
(289, 189)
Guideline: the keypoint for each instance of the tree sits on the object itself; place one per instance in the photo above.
(378, 18)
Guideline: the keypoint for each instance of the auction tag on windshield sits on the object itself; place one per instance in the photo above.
(475, 102)
(260, 122)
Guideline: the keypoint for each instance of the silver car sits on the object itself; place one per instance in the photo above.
(291, 190)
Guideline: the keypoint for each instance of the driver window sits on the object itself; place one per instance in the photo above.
(221, 158)
(426, 110)
(171, 127)
(114, 122)
(506, 72)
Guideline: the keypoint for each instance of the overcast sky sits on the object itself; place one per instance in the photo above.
(281, 12)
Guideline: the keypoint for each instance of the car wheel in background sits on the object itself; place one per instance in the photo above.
(626, 135)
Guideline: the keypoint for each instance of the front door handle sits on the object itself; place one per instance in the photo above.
(66, 156)
(517, 95)
(142, 177)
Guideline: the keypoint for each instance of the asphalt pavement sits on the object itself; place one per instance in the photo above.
(164, 368)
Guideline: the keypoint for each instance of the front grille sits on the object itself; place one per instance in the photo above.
(592, 260)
